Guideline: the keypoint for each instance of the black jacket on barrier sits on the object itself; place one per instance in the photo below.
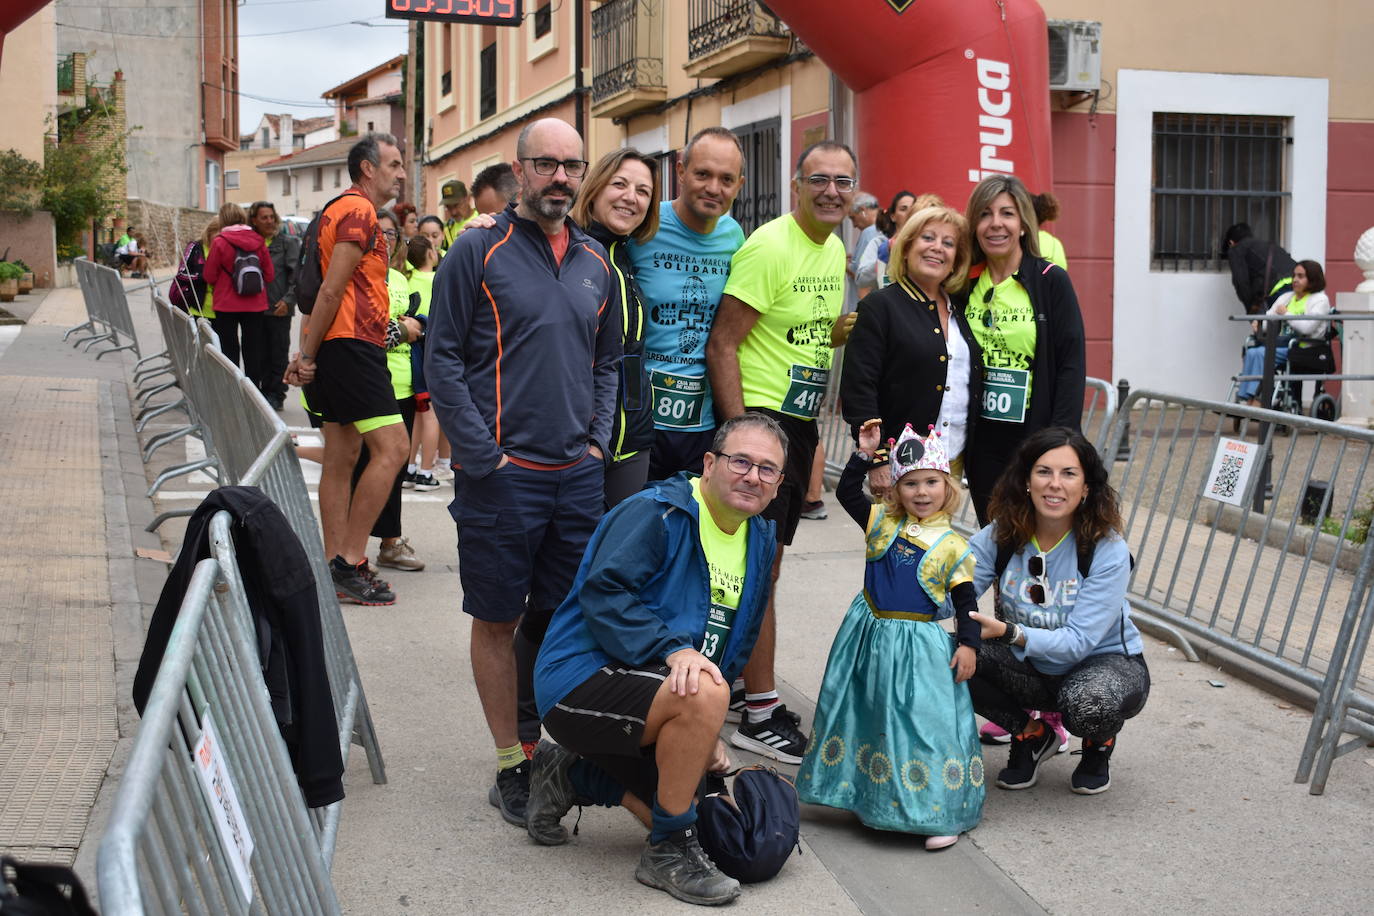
(286, 615)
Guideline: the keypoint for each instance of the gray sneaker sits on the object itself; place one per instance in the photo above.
(551, 794)
(681, 867)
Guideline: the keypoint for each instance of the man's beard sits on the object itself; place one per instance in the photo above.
(548, 209)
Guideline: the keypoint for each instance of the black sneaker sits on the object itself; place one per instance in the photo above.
(681, 867)
(779, 736)
(551, 794)
(815, 511)
(511, 793)
(1023, 764)
(425, 482)
(1091, 776)
(357, 585)
(408, 481)
(737, 705)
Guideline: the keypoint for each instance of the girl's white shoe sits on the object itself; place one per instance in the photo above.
(940, 842)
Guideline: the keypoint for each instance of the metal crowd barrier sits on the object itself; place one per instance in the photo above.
(209, 817)
(247, 444)
(107, 310)
(185, 341)
(1283, 587)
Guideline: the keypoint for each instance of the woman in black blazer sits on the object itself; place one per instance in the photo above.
(912, 357)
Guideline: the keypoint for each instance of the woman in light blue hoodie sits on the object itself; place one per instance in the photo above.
(1062, 639)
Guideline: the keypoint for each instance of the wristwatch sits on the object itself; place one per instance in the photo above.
(1010, 635)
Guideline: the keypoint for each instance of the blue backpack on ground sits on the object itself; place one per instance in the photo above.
(751, 836)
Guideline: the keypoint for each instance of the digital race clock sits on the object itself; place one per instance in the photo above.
(486, 12)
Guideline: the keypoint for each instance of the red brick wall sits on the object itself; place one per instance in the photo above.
(1084, 179)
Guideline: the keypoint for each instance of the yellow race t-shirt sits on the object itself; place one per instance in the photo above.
(797, 287)
(398, 357)
(1004, 325)
(422, 282)
(725, 558)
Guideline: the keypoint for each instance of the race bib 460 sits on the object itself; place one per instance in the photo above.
(1004, 394)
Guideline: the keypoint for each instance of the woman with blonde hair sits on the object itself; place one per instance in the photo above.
(912, 357)
(238, 269)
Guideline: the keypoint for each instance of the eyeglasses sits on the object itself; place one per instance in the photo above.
(841, 182)
(1040, 588)
(390, 233)
(573, 168)
(742, 466)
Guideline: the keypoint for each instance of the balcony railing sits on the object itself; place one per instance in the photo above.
(627, 57)
(727, 36)
(66, 75)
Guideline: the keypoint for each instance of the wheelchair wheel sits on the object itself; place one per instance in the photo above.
(1325, 407)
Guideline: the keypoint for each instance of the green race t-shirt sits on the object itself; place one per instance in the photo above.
(398, 358)
(725, 557)
(1004, 325)
(797, 287)
(422, 282)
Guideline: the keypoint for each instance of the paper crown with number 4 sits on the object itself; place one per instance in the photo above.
(912, 452)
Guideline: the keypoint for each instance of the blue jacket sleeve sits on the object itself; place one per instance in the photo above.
(1097, 610)
(451, 309)
(629, 552)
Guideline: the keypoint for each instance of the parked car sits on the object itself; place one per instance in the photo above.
(294, 226)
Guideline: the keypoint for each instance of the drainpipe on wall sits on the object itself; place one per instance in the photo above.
(579, 101)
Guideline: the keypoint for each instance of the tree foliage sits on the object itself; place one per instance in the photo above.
(20, 182)
(79, 172)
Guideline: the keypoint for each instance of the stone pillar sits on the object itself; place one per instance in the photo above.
(1357, 341)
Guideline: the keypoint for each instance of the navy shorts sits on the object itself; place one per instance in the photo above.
(674, 451)
(786, 507)
(521, 535)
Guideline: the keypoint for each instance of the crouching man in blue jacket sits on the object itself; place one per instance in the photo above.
(633, 679)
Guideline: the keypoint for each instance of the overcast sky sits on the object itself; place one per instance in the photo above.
(293, 69)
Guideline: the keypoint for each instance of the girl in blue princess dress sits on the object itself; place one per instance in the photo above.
(894, 739)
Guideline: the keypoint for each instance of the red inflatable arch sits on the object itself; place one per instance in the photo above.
(946, 91)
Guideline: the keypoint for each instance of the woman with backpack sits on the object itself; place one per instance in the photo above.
(1062, 639)
(189, 291)
(238, 269)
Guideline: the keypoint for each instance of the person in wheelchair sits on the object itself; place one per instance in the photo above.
(1304, 347)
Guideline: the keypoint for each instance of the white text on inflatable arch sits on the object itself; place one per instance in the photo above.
(994, 134)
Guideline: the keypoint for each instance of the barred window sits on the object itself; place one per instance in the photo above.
(1211, 171)
(761, 198)
(487, 84)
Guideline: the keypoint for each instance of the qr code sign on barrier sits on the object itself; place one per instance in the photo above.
(1231, 467)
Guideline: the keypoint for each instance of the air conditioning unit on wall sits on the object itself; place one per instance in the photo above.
(1075, 55)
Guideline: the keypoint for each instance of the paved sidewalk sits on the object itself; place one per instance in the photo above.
(1203, 814)
(57, 715)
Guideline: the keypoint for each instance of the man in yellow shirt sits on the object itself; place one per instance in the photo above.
(770, 351)
(458, 209)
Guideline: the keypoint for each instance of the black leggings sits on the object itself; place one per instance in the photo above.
(388, 523)
(1096, 696)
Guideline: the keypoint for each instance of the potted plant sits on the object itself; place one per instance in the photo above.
(9, 281)
(25, 278)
